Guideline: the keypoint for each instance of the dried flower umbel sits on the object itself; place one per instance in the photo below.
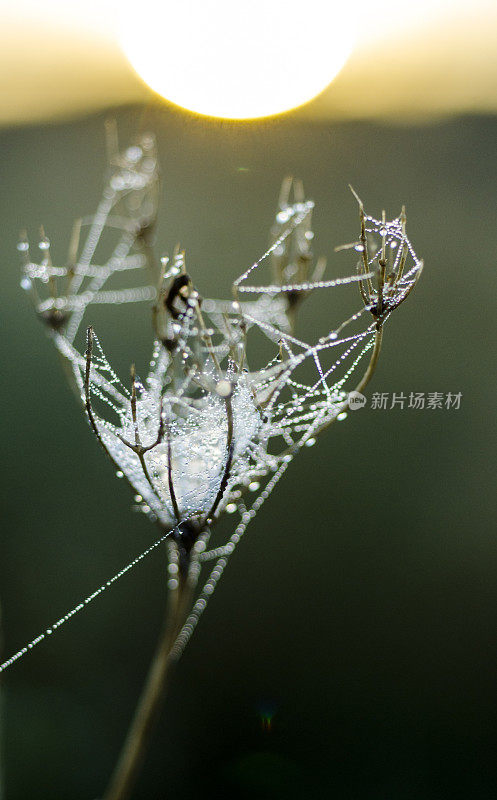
(210, 429)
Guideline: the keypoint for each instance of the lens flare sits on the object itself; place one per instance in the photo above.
(238, 61)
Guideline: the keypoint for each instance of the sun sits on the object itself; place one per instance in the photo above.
(225, 58)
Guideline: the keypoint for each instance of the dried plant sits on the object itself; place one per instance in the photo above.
(211, 429)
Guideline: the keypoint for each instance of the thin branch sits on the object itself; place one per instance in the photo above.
(230, 447)
(88, 405)
(133, 407)
(363, 238)
(147, 711)
(206, 336)
(137, 448)
(170, 474)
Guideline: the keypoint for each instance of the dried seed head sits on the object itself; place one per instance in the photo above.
(214, 423)
(387, 253)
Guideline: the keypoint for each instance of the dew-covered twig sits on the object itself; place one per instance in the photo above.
(214, 426)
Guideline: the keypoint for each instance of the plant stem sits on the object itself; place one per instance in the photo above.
(372, 361)
(147, 711)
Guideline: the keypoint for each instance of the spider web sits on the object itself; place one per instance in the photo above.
(205, 388)
(110, 244)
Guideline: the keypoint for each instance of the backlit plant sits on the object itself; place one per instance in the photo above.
(212, 428)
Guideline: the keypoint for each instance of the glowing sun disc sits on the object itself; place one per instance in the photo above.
(225, 58)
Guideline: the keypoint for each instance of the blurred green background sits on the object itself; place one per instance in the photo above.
(360, 610)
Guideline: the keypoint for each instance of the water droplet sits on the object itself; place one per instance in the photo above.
(359, 248)
(117, 183)
(25, 284)
(138, 498)
(342, 416)
(224, 388)
(231, 508)
(134, 154)
(23, 246)
(253, 486)
(147, 141)
(310, 442)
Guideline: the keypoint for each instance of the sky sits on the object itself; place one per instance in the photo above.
(417, 61)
